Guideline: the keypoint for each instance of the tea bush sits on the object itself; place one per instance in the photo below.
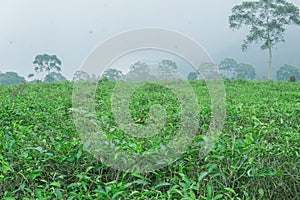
(256, 157)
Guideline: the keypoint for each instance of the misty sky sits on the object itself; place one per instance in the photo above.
(71, 29)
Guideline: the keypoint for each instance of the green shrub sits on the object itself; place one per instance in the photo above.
(256, 157)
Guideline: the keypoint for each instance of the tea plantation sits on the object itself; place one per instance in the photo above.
(256, 157)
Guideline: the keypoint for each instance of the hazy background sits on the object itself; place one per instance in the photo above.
(71, 29)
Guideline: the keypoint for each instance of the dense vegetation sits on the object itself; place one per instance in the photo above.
(256, 157)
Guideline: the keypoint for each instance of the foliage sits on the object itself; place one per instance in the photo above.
(193, 76)
(139, 71)
(48, 63)
(112, 74)
(139, 66)
(30, 76)
(256, 157)
(237, 70)
(228, 64)
(168, 63)
(54, 77)
(11, 78)
(81, 76)
(286, 71)
(267, 20)
(245, 71)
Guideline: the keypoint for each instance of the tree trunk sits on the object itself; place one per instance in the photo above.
(269, 46)
(270, 63)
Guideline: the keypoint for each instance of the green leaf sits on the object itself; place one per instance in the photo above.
(202, 175)
(117, 194)
(58, 193)
(218, 196)
(162, 184)
(36, 173)
(140, 181)
(78, 155)
(56, 184)
(230, 190)
(212, 167)
(209, 189)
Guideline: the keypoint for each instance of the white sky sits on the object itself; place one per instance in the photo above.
(71, 29)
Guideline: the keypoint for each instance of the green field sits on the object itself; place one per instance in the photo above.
(256, 157)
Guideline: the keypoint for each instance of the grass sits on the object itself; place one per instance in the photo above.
(256, 157)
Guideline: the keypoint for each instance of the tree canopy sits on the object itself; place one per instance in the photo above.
(235, 70)
(139, 71)
(245, 71)
(80, 76)
(11, 78)
(286, 71)
(112, 74)
(54, 77)
(267, 20)
(48, 63)
(168, 63)
(193, 76)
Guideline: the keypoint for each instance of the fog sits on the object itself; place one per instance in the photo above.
(71, 29)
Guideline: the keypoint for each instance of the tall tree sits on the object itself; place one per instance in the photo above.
(267, 20)
(48, 63)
